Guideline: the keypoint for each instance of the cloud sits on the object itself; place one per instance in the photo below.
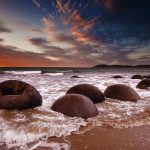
(74, 26)
(79, 46)
(116, 5)
(80, 26)
(109, 34)
(28, 26)
(37, 3)
(57, 34)
(71, 56)
(44, 45)
(125, 23)
(38, 41)
(1, 40)
(12, 56)
(3, 28)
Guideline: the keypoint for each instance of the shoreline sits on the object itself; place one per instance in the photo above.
(101, 138)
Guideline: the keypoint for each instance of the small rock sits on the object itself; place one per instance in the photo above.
(137, 77)
(117, 76)
(75, 76)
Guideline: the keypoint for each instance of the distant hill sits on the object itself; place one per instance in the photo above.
(121, 66)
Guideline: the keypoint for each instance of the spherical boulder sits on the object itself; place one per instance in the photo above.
(19, 95)
(88, 90)
(75, 105)
(121, 92)
(117, 76)
(137, 77)
(144, 84)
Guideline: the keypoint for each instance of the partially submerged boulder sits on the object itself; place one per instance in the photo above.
(88, 90)
(146, 76)
(75, 105)
(121, 92)
(75, 76)
(16, 94)
(117, 76)
(144, 84)
(137, 77)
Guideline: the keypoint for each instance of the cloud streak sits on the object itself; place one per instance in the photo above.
(12, 56)
(37, 3)
(1, 40)
(3, 28)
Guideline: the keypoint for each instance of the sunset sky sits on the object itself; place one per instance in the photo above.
(74, 33)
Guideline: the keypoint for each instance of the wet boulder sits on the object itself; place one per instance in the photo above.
(88, 90)
(144, 84)
(137, 77)
(121, 92)
(19, 95)
(117, 76)
(75, 105)
(75, 76)
(146, 76)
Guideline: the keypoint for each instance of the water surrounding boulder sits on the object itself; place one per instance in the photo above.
(75, 105)
(137, 77)
(121, 92)
(117, 76)
(1, 72)
(16, 94)
(144, 84)
(88, 90)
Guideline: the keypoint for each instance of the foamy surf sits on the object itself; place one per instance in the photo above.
(19, 128)
(23, 72)
(55, 74)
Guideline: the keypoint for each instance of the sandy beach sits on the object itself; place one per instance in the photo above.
(112, 139)
(136, 138)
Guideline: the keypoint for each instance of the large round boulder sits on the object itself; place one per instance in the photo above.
(18, 95)
(75, 105)
(121, 92)
(144, 84)
(137, 77)
(88, 90)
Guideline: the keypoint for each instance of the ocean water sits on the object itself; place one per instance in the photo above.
(19, 128)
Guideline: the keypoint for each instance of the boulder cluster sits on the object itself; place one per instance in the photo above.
(79, 100)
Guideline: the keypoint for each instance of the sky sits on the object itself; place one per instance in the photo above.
(74, 33)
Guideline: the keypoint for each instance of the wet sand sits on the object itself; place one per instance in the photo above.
(98, 138)
(137, 138)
